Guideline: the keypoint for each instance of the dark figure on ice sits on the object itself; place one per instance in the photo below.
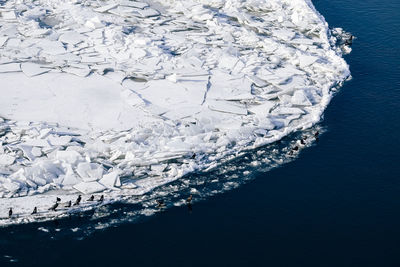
(189, 200)
(101, 199)
(69, 203)
(34, 211)
(54, 207)
(10, 212)
(91, 198)
(78, 200)
(58, 199)
(160, 203)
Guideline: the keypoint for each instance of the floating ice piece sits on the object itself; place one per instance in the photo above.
(105, 8)
(69, 156)
(140, 5)
(6, 160)
(51, 47)
(33, 69)
(148, 12)
(227, 106)
(300, 98)
(111, 179)
(3, 40)
(81, 71)
(59, 140)
(11, 67)
(89, 171)
(306, 61)
(89, 187)
(94, 23)
(72, 37)
(228, 87)
(8, 15)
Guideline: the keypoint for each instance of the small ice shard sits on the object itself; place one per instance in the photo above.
(32, 69)
(111, 179)
(6, 160)
(89, 187)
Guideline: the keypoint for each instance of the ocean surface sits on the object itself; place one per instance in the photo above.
(337, 204)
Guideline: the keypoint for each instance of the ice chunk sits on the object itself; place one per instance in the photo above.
(227, 106)
(89, 171)
(11, 67)
(89, 187)
(111, 179)
(32, 69)
(6, 160)
(300, 98)
(72, 37)
(70, 156)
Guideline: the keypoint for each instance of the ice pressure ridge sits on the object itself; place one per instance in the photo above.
(125, 96)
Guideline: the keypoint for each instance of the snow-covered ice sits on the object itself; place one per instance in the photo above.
(121, 97)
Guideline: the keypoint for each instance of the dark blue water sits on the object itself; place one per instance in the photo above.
(338, 204)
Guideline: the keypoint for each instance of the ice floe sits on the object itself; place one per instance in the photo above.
(121, 97)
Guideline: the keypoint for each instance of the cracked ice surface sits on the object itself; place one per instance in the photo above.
(117, 96)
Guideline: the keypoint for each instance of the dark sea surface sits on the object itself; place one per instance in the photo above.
(337, 204)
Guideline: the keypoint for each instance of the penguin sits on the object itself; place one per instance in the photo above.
(58, 199)
(34, 211)
(349, 41)
(78, 200)
(189, 199)
(160, 204)
(193, 156)
(10, 213)
(296, 148)
(54, 207)
(101, 199)
(91, 198)
(302, 142)
(68, 205)
(316, 134)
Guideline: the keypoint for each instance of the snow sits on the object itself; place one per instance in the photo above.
(117, 96)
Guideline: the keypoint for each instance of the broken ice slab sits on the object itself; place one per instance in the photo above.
(111, 179)
(228, 87)
(227, 106)
(140, 5)
(72, 37)
(81, 71)
(70, 156)
(10, 67)
(8, 15)
(105, 8)
(300, 98)
(6, 160)
(89, 171)
(33, 69)
(89, 187)
(3, 40)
